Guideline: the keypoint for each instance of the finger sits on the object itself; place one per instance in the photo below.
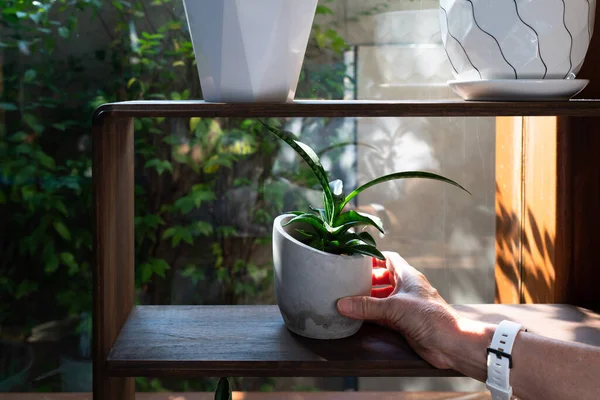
(363, 307)
(381, 276)
(382, 293)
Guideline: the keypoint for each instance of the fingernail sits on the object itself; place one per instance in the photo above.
(345, 306)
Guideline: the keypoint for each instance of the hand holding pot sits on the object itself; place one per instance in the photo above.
(544, 368)
(412, 307)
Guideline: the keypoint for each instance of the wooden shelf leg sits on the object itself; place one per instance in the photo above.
(114, 284)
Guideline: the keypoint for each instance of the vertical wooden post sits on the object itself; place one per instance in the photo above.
(114, 285)
(509, 174)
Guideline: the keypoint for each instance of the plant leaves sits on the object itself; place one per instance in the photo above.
(62, 230)
(223, 390)
(313, 162)
(311, 220)
(367, 251)
(362, 236)
(343, 144)
(350, 219)
(320, 212)
(401, 175)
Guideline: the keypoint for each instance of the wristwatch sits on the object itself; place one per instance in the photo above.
(499, 360)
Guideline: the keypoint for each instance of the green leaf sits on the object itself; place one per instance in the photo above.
(352, 219)
(367, 238)
(177, 234)
(367, 251)
(311, 220)
(159, 165)
(364, 237)
(344, 144)
(63, 31)
(321, 9)
(320, 212)
(154, 266)
(69, 260)
(62, 230)
(313, 162)
(25, 288)
(146, 272)
(159, 267)
(194, 273)
(32, 122)
(223, 390)
(30, 75)
(401, 175)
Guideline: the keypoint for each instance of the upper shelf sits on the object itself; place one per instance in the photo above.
(250, 341)
(318, 108)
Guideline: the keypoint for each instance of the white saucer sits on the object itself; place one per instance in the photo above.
(519, 89)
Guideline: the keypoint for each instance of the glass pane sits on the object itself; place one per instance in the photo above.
(207, 190)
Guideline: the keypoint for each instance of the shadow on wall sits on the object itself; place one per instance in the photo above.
(513, 247)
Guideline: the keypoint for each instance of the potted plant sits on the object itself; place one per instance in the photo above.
(323, 254)
(251, 50)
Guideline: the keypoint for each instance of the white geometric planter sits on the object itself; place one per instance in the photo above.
(309, 282)
(516, 39)
(249, 50)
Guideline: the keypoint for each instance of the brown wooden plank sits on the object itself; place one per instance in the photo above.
(253, 341)
(113, 201)
(265, 396)
(509, 174)
(585, 274)
(540, 174)
(348, 109)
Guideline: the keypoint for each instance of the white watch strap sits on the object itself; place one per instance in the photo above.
(499, 360)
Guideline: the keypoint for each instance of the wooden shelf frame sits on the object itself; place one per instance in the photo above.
(339, 108)
(180, 341)
(113, 194)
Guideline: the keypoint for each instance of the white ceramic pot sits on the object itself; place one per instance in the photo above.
(516, 39)
(308, 284)
(249, 50)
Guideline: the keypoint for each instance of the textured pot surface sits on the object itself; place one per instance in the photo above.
(308, 284)
(518, 39)
(249, 50)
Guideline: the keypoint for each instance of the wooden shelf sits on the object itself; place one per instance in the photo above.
(252, 341)
(459, 108)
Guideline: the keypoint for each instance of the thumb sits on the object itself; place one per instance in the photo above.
(363, 307)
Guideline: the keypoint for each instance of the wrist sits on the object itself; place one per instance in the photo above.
(468, 348)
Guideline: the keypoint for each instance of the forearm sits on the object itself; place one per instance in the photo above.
(542, 368)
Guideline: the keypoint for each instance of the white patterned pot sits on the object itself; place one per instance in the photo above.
(309, 282)
(249, 50)
(516, 39)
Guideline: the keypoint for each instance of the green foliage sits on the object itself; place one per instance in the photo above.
(50, 83)
(332, 229)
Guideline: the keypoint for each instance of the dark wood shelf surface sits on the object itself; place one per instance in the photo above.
(252, 341)
(317, 108)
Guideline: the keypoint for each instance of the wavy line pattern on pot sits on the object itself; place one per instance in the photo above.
(490, 35)
(539, 39)
(571, 39)
(445, 34)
